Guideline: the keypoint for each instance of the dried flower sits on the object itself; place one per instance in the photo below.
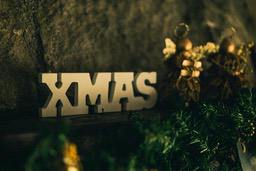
(170, 48)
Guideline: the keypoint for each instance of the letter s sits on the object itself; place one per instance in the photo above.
(148, 90)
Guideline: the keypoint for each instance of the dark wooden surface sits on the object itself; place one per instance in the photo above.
(21, 133)
(20, 126)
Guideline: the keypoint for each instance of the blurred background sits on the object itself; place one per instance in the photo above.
(101, 35)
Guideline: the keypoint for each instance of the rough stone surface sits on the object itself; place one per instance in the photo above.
(101, 35)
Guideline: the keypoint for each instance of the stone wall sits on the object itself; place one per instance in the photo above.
(100, 35)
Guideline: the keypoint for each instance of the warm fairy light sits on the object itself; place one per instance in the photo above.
(71, 158)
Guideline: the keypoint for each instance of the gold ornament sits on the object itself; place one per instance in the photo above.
(188, 84)
(185, 44)
(227, 45)
(228, 69)
(181, 32)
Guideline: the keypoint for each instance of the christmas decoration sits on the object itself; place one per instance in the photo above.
(184, 69)
(228, 69)
(211, 71)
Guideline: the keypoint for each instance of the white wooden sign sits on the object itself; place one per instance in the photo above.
(107, 88)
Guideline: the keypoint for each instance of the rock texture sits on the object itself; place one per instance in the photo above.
(100, 35)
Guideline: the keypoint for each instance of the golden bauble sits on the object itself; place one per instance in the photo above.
(227, 46)
(187, 53)
(185, 44)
